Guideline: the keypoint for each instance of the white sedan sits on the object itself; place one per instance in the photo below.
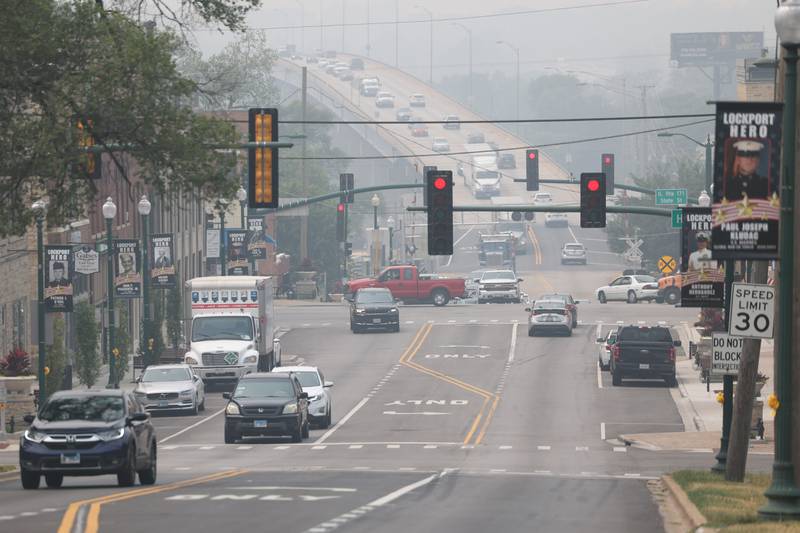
(170, 388)
(320, 406)
(629, 289)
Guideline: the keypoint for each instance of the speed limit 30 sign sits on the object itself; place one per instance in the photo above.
(752, 311)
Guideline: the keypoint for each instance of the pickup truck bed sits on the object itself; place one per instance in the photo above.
(644, 352)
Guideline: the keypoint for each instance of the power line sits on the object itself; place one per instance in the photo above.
(444, 19)
(547, 145)
(496, 120)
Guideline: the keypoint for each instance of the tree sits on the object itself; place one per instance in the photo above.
(56, 357)
(122, 340)
(66, 63)
(227, 13)
(174, 314)
(87, 356)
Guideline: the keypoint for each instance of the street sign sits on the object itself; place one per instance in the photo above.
(752, 311)
(671, 196)
(667, 264)
(726, 351)
(677, 218)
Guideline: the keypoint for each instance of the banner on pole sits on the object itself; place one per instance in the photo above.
(162, 265)
(58, 272)
(702, 278)
(236, 260)
(128, 278)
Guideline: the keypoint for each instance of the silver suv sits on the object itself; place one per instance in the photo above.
(502, 285)
(573, 252)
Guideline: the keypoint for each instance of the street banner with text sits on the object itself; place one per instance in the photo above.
(746, 208)
(236, 260)
(702, 278)
(162, 265)
(58, 272)
(127, 279)
(258, 240)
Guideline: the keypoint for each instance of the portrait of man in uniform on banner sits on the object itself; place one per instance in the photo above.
(58, 278)
(703, 278)
(162, 266)
(746, 204)
(128, 279)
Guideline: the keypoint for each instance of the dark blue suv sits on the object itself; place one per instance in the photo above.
(88, 433)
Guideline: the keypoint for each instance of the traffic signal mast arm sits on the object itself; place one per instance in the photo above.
(631, 209)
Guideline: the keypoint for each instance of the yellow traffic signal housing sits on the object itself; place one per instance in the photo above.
(263, 161)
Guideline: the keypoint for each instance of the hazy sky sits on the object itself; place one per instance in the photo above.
(630, 36)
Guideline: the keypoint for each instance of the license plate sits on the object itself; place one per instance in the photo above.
(162, 403)
(259, 423)
(376, 320)
(644, 366)
(70, 458)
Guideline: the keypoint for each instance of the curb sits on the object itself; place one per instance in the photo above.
(690, 512)
(637, 444)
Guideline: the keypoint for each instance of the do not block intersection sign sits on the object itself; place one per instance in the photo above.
(752, 311)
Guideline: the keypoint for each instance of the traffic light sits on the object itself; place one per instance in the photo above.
(90, 161)
(262, 163)
(593, 200)
(425, 171)
(341, 222)
(348, 249)
(440, 212)
(346, 183)
(516, 216)
(528, 215)
(532, 169)
(608, 169)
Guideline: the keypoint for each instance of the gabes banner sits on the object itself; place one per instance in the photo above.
(58, 274)
(746, 208)
(162, 266)
(702, 278)
(127, 279)
(236, 260)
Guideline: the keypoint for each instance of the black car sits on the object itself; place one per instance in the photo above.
(374, 308)
(356, 64)
(265, 404)
(404, 114)
(88, 433)
(506, 160)
(475, 137)
(644, 352)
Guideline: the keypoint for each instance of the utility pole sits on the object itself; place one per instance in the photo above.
(344, 9)
(727, 381)
(39, 208)
(304, 219)
(396, 32)
(643, 151)
(368, 45)
(469, 46)
(321, 41)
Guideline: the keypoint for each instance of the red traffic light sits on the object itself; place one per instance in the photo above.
(593, 185)
(439, 184)
(607, 160)
(531, 155)
(340, 208)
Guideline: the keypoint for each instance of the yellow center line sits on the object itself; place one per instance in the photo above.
(93, 517)
(537, 250)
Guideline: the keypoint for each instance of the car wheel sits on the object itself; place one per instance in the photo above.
(632, 297)
(126, 477)
(672, 297)
(297, 436)
(195, 408)
(148, 475)
(230, 436)
(30, 480)
(601, 297)
(616, 379)
(440, 297)
(305, 429)
(54, 480)
(672, 381)
(203, 404)
(531, 332)
(328, 418)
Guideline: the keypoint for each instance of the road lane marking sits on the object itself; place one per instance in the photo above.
(543, 448)
(244, 448)
(318, 447)
(511, 354)
(93, 516)
(287, 487)
(282, 447)
(505, 447)
(581, 448)
(356, 446)
(621, 449)
(537, 250)
(602, 431)
(188, 428)
(574, 238)
(450, 259)
(599, 377)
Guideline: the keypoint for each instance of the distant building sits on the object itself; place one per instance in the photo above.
(755, 80)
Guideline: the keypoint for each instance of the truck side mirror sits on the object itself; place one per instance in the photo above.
(226, 395)
(676, 343)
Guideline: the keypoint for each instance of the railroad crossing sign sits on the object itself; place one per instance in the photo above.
(671, 196)
(633, 253)
(752, 311)
(667, 264)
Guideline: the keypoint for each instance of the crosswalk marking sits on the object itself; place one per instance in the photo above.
(543, 448)
(620, 449)
(430, 446)
(392, 446)
(581, 448)
(244, 448)
(282, 447)
(207, 447)
(505, 447)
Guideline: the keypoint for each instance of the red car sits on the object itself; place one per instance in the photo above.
(408, 285)
(419, 130)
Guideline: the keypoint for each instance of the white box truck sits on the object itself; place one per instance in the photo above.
(230, 327)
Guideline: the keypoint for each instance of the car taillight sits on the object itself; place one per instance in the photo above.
(671, 354)
(650, 287)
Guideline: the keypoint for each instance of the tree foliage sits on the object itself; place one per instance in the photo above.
(122, 339)
(70, 62)
(174, 314)
(87, 356)
(56, 356)
(227, 13)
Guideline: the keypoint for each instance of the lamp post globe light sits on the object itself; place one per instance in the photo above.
(109, 212)
(783, 496)
(144, 207)
(390, 225)
(704, 200)
(40, 210)
(376, 202)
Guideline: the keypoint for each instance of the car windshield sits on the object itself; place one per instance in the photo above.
(307, 378)
(157, 375)
(222, 328)
(573, 246)
(553, 297)
(89, 408)
(644, 334)
(374, 297)
(645, 279)
(549, 304)
(264, 388)
(500, 274)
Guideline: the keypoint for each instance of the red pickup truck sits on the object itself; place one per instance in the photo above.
(408, 285)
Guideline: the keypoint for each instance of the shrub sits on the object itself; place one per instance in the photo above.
(17, 362)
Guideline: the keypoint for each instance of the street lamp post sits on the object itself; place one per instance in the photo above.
(783, 496)
(708, 145)
(516, 53)
(376, 202)
(40, 210)
(222, 206)
(109, 212)
(302, 25)
(430, 47)
(144, 208)
(469, 46)
(241, 195)
(390, 225)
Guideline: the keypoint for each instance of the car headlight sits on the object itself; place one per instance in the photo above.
(187, 393)
(190, 360)
(360, 311)
(34, 435)
(111, 434)
(251, 359)
(393, 310)
(232, 409)
(290, 408)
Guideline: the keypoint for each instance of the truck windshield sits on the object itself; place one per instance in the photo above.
(645, 335)
(486, 175)
(493, 246)
(217, 328)
(517, 227)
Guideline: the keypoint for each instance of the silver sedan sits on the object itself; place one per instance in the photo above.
(170, 388)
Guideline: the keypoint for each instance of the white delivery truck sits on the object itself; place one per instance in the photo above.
(230, 327)
(483, 176)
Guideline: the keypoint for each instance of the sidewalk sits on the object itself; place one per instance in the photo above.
(699, 409)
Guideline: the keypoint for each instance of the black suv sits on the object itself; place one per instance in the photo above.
(374, 308)
(88, 433)
(265, 404)
(643, 352)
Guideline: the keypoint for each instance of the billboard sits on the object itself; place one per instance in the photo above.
(714, 48)
(746, 205)
(58, 272)
(702, 278)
